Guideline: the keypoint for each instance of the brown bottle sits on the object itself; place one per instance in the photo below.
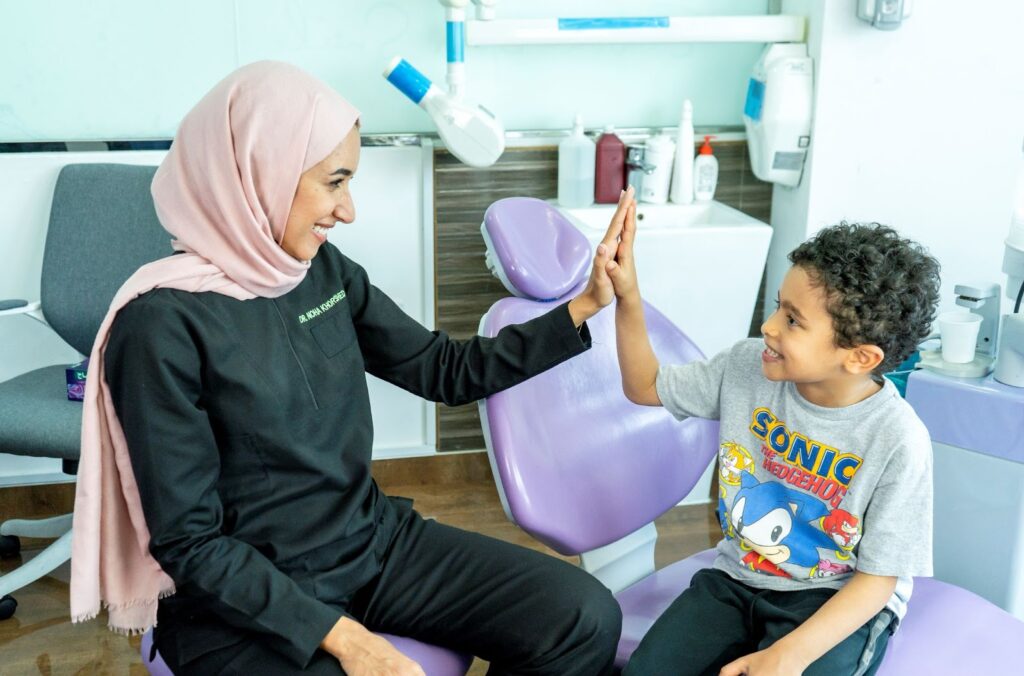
(610, 167)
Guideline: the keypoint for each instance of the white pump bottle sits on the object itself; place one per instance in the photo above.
(682, 173)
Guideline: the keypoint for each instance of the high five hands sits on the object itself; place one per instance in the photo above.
(621, 268)
(612, 273)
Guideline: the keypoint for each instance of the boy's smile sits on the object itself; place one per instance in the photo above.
(800, 346)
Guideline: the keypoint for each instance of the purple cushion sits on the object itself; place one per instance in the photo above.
(542, 254)
(645, 601)
(947, 631)
(435, 661)
(157, 667)
(579, 464)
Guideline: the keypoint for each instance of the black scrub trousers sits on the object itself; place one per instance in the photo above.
(249, 429)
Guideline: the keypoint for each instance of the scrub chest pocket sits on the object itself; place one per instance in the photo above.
(335, 334)
(332, 362)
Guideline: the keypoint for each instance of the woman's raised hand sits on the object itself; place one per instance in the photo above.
(599, 291)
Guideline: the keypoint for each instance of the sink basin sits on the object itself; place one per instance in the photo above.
(700, 264)
(697, 215)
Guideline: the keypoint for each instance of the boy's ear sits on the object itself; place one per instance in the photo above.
(864, 359)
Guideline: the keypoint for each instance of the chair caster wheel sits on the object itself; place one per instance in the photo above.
(10, 545)
(7, 607)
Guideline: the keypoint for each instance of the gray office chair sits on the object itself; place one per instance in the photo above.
(102, 229)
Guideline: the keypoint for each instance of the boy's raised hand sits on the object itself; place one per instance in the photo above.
(599, 292)
(622, 269)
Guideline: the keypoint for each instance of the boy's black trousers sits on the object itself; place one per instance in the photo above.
(718, 620)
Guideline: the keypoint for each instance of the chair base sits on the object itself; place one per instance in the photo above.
(10, 546)
(7, 607)
(43, 563)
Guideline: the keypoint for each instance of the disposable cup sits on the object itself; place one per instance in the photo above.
(959, 332)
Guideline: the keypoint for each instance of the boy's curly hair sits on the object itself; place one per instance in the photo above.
(880, 288)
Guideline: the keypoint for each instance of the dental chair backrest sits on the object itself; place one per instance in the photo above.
(578, 465)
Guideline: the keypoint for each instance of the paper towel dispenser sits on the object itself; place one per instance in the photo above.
(777, 113)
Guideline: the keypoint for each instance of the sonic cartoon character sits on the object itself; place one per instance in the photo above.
(778, 524)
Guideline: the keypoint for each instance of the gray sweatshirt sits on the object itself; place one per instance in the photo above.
(808, 494)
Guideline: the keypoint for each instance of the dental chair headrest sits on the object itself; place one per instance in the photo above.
(533, 249)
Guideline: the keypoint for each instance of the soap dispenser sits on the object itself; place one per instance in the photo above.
(705, 173)
(576, 168)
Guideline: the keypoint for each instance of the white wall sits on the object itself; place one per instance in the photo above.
(919, 128)
(130, 69)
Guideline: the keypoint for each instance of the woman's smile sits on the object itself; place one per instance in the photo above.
(321, 230)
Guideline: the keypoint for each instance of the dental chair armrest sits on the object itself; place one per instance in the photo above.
(16, 306)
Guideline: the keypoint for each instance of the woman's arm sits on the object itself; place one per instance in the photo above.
(398, 349)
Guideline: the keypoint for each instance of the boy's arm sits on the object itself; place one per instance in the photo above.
(857, 602)
(637, 362)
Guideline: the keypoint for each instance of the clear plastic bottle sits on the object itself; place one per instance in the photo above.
(610, 169)
(576, 168)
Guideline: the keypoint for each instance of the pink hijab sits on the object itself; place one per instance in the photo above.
(224, 192)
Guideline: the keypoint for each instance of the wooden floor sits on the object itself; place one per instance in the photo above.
(40, 639)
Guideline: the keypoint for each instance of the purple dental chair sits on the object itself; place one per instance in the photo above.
(586, 471)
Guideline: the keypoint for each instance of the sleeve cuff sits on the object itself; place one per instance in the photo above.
(572, 340)
(311, 627)
(665, 396)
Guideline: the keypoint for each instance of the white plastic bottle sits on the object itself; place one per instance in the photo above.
(705, 173)
(682, 173)
(576, 168)
(658, 152)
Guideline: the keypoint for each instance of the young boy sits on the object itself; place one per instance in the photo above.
(825, 495)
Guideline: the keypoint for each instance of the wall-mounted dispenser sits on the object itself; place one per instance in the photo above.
(886, 15)
(777, 113)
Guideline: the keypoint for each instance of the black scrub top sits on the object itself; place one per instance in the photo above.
(249, 430)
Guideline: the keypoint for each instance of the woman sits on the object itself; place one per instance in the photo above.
(227, 433)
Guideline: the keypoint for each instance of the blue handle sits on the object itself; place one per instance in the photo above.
(409, 81)
(456, 34)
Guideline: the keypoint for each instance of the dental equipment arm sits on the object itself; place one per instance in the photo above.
(470, 132)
